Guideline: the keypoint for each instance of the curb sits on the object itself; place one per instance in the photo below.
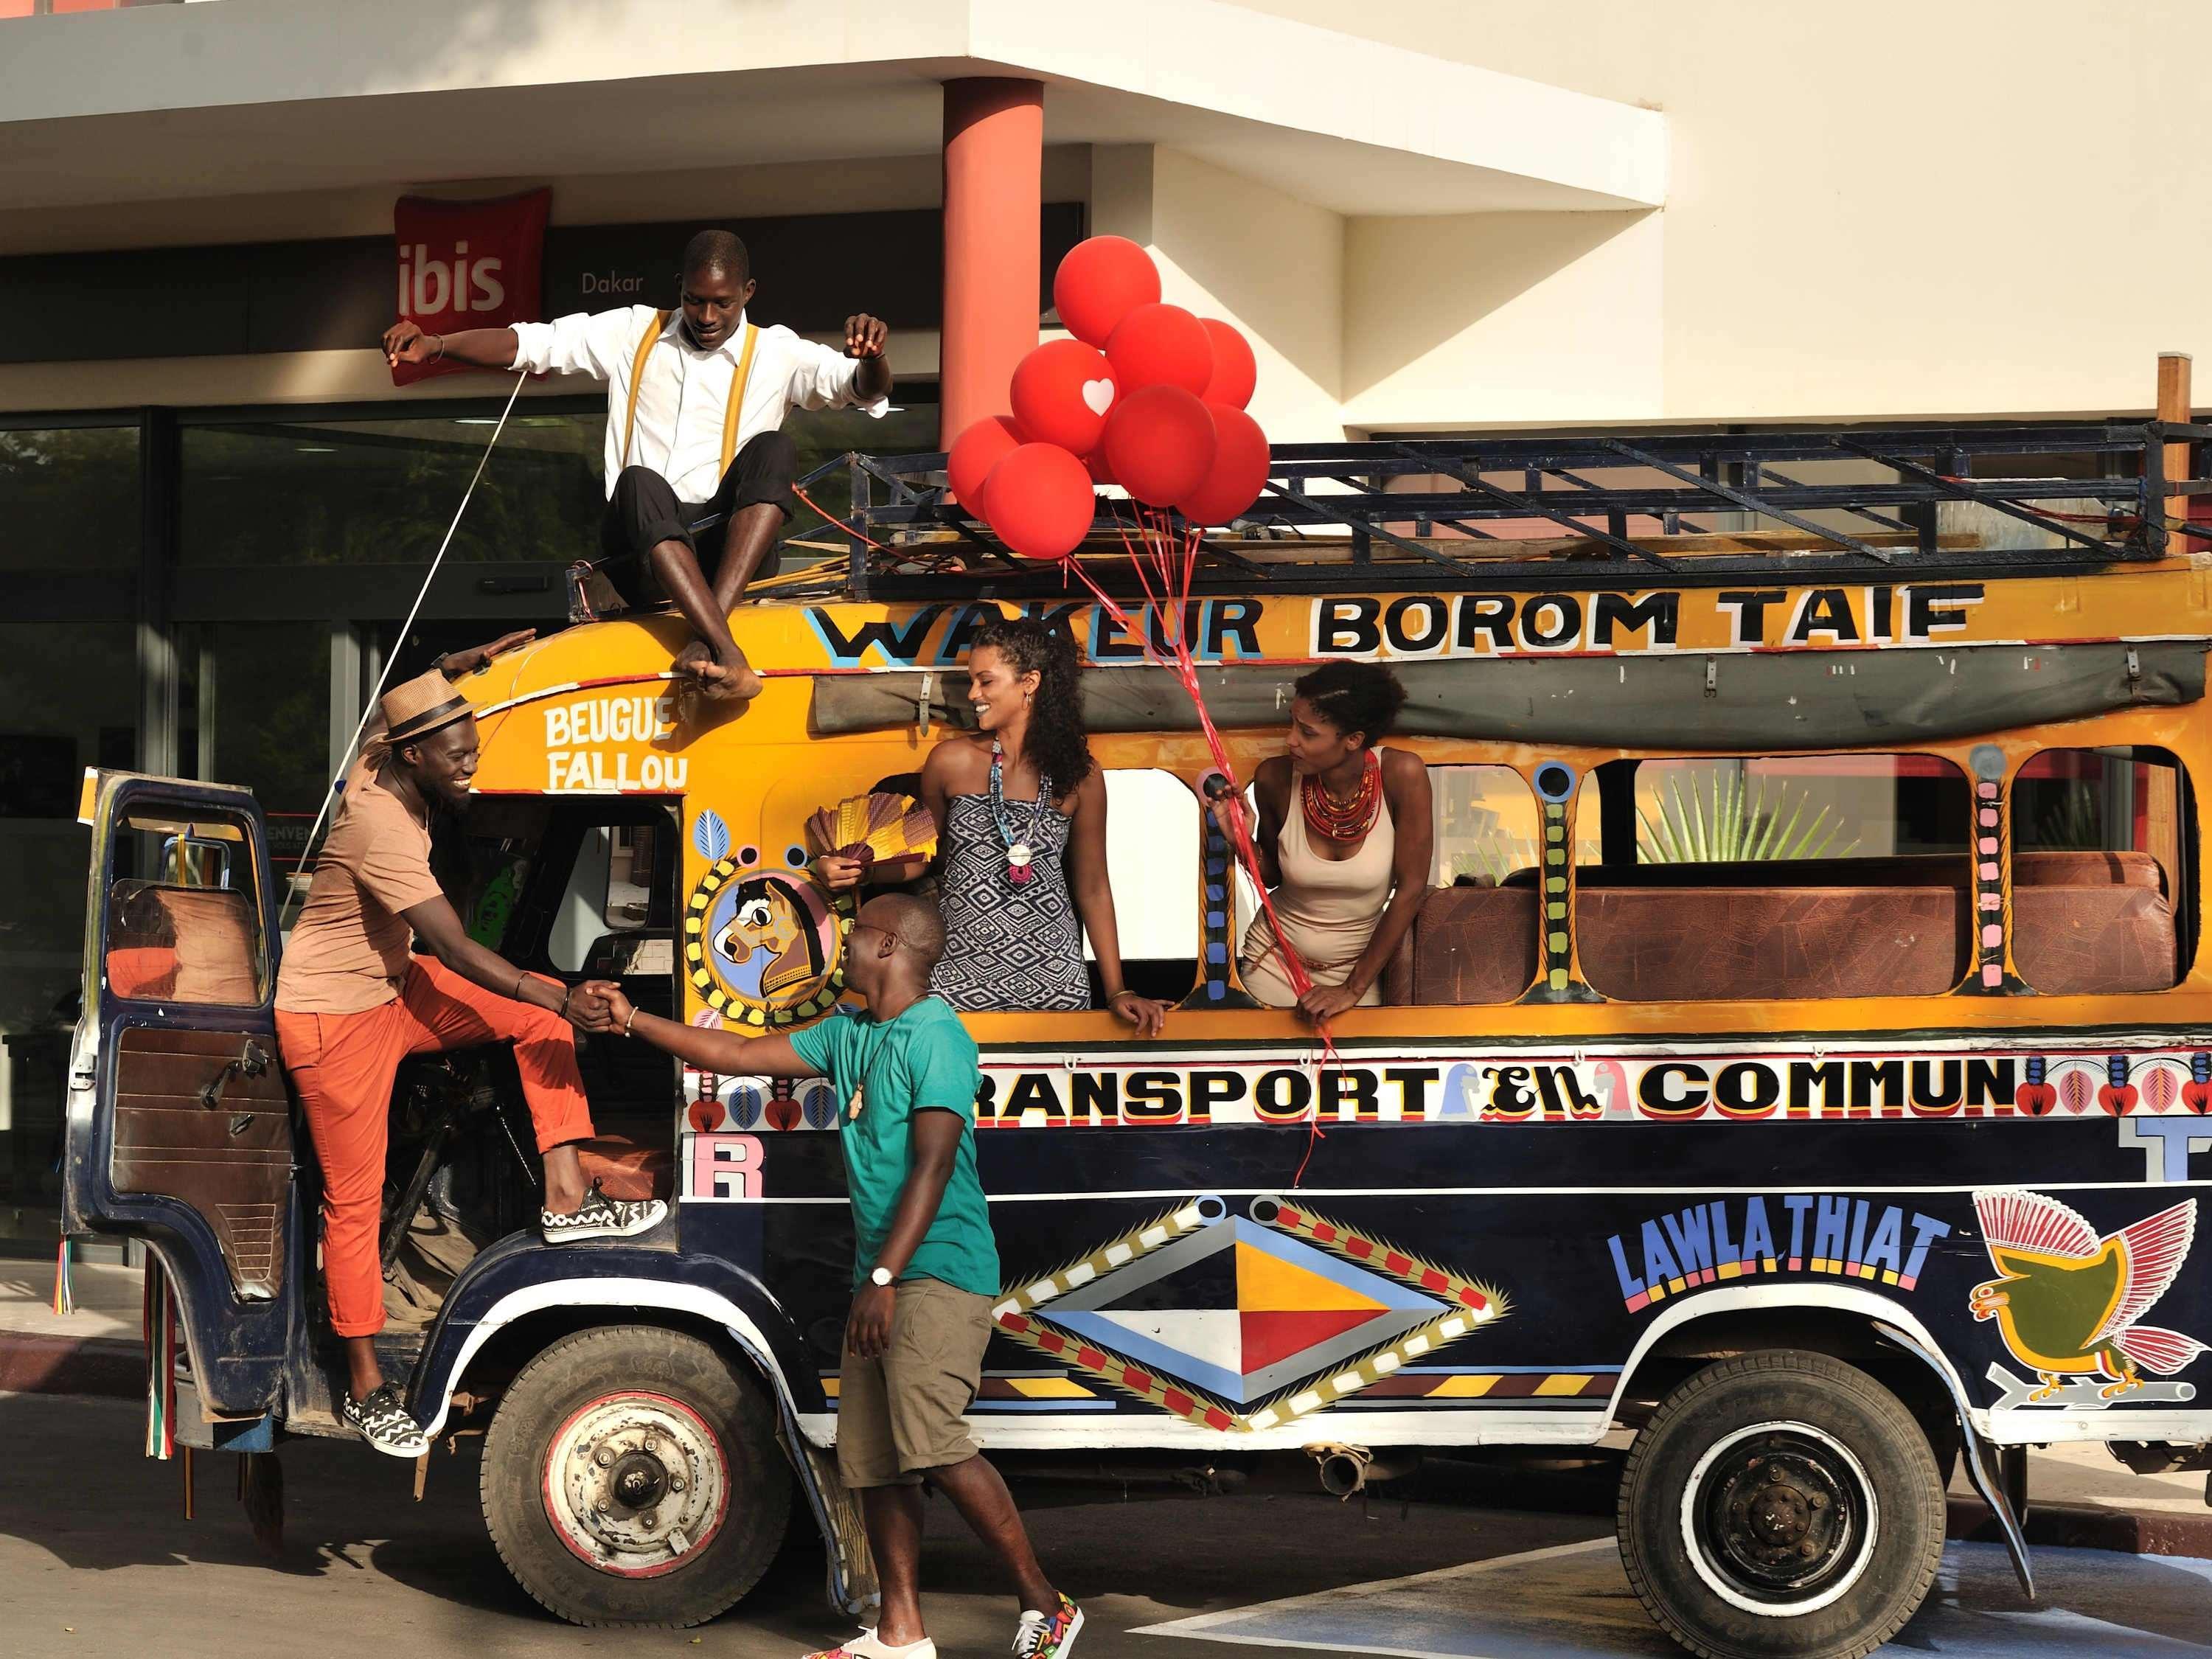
(2078, 1527)
(38, 1363)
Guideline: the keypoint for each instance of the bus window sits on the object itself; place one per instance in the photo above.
(621, 887)
(192, 933)
(1776, 877)
(1151, 857)
(1475, 940)
(2101, 874)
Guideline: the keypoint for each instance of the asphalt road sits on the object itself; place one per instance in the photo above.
(96, 1558)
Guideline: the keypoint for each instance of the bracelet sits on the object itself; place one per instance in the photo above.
(439, 355)
(520, 980)
(631, 1021)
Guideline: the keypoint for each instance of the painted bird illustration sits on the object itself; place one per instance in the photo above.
(2068, 1302)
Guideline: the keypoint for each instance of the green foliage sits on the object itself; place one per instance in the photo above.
(1727, 822)
(2072, 820)
(1494, 858)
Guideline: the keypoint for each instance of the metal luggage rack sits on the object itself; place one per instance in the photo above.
(1641, 510)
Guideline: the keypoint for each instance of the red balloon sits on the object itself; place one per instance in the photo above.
(1095, 465)
(1061, 392)
(1039, 502)
(1161, 345)
(1160, 444)
(976, 451)
(1240, 469)
(1235, 373)
(1100, 281)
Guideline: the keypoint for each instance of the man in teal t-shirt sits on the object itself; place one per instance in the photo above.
(926, 1269)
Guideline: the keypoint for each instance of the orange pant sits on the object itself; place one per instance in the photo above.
(343, 1065)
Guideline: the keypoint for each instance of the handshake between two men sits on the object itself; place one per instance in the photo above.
(598, 1005)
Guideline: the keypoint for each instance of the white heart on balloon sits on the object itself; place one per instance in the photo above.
(1097, 396)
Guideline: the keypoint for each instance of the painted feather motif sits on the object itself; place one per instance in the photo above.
(710, 836)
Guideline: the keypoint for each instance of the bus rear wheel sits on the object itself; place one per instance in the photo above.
(632, 1477)
(1781, 1503)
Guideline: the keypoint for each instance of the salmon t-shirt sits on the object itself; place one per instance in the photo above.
(348, 952)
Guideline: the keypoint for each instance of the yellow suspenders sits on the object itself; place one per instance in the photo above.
(738, 383)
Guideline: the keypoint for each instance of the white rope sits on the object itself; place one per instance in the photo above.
(422, 593)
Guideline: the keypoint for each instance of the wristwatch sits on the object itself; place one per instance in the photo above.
(879, 1276)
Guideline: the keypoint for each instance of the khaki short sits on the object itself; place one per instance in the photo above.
(900, 1415)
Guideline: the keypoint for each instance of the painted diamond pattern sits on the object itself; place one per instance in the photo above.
(1240, 1312)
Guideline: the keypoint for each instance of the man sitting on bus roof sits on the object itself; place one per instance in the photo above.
(352, 1002)
(696, 460)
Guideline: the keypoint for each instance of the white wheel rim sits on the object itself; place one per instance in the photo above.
(1718, 1582)
(635, 1485)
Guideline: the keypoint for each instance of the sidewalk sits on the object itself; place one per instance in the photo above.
(97, 1350)
(2079, 1495)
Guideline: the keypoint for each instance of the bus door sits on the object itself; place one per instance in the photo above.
(179, 1128)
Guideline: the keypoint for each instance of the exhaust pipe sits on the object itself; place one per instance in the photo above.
(1345, 1470)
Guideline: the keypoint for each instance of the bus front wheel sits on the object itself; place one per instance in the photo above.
(1781, 1503)
(632, 1477)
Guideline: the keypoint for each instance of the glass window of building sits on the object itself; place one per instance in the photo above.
(325, 490)
(68, 498)
(72, 701)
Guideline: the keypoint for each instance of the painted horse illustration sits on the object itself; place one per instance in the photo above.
(769, 921)
(2069, 1301)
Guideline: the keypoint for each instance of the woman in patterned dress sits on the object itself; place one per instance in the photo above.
(1022, 860)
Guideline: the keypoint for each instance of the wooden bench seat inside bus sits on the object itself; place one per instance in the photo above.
(2083, 922)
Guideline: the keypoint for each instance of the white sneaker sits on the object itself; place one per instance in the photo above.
(868, 1645)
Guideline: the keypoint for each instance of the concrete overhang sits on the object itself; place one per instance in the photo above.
(239, 96)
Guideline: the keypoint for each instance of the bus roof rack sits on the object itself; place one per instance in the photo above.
(1590, 510)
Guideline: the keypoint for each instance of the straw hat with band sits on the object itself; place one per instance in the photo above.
(425, 704)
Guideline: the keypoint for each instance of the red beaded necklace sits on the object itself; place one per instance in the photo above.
(1344, 820)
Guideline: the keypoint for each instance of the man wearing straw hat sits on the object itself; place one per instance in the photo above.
(352, 1002)
(695, 458)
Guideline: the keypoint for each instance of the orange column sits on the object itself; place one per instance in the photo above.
(993, 192)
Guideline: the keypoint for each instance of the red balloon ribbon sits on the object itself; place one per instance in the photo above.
(1160, 555)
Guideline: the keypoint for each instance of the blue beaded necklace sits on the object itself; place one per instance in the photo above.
(1019, 853)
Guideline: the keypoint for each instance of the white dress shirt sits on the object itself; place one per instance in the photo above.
(687, 391)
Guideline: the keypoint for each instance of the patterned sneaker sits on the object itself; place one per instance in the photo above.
(601, 1216)
(382, 1421)
(868, 1645)
(1053, 1638)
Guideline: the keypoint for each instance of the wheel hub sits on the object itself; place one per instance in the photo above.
(1781, 1515)
(635, 1484)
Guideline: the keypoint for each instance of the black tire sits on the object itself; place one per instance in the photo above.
(1810, 1496)
(686, 1437)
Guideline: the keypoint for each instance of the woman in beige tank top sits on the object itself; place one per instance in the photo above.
(1344, 840)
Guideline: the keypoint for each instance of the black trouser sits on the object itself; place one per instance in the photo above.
(643, 513)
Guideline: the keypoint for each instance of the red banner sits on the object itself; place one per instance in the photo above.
(468, 264)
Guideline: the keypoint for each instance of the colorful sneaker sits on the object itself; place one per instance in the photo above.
(382, 1421)
(868, 1645)
(601, 1216)
(1048, 1637)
